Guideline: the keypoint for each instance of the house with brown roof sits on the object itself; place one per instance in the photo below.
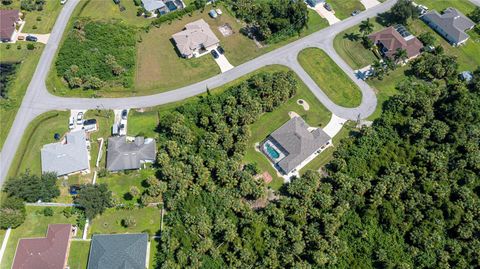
(196, 39)
(9, 19)
(48, 252)
(392, 38)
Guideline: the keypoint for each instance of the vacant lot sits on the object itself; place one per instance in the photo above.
(35, 225)
(107, 9)
(28, 60)
(38, 22)
(344, 8)
(464, 6)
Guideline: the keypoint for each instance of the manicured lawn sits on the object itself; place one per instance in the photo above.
(35, 225)
(47, 16)
(464, 6)
(120, 183)
(78, 256)
(28, 60)
(110, 222)
(38, 133)
(105, 10)
(344, 8)
(348, 46)
(142, 122)
(330, 78)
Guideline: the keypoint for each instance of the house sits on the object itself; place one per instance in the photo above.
(451, 24)
(123, 154)
(9, 19)
(154, 6)
(66, 157)
(118, 251)
(48, 252)
(196, 40)
(313, 3)
(294, 144)
(392, 38)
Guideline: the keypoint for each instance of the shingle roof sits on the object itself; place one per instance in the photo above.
(451, 21)
(152, 5)
(195, 35)
(297, 142)
(66, 158)
(7, 23)
(118, 251)
(47, 253)
(393, 40)
(123, 155)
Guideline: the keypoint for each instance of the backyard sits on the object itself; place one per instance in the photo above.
(121, 182)
(39, 22)
(330, 78)
(27, 61)
(344, 8)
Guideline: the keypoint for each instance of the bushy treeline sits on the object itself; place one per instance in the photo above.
(271, 20)
(98, 54)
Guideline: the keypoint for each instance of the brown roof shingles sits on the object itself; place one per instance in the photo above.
(393, 40)
(8, 18)
(47, 253)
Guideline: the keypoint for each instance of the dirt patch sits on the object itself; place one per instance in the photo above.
(226, 29)
(304, 104)
(293, 114)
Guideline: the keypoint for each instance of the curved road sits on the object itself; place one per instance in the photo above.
(38, 100)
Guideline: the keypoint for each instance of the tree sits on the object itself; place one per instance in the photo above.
(129, 222)
(47, 211)
(400, 55)
(12, 213)
(94, 199)
(402, 11)
(475, 15)
(32, 188)
(366, 27)
(427, 39)
(134, 191)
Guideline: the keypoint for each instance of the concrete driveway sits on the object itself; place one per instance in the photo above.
(42, 38)
(334, 125)
(223, 63)
(329, 16)
(369, 3)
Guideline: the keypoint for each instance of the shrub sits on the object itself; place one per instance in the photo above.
(67, 212)
(129, 222)
(48, 212)
(7, 46)
(12, 213)
(30, 46)
(19, 47)
(39, 18)
(34, 27)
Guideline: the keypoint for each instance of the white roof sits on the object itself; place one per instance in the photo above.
(195, 35)
(152, 5)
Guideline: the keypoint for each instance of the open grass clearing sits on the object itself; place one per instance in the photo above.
(110, 222)
(464, 6)
(28, 60)
(38, 22)
(143, 122)
(330, 77)
(344, 8)
(35, 225)
(121, 182)
(78, 255)
(107, 10)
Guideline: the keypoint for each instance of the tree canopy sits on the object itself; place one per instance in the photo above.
(94, 199)
(32, 188)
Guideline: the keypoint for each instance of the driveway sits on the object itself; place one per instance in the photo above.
(73, 114)
(334, 125)
(42, 38)
(223, 63)
(329, 16)
(369, 3)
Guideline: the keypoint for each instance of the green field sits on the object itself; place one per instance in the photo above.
(16, 89)
(120, 183)
(43, 20)
(106, 10)
(78, 255)
(35, 225)
(143, 123)
(110, 222)
(464, 6)
(344, 8)
(40, 132)
(330, 78)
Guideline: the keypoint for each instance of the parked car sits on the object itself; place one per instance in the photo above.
(123, 129)
(31, 38)
(124, 114)
(219, 11)
(220, 50)
(214, 54)
(327, 7)
(90, 125)
(79, 118)
(71, 123)
(212, 13)
(63, 2)
(355, 12)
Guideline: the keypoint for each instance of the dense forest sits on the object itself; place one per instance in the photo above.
(403, 193)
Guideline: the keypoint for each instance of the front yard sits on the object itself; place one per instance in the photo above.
(344, 8)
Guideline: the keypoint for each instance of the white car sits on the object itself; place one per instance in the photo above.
(71, 123)
(80, 118)
(219, 11)
(63, 2)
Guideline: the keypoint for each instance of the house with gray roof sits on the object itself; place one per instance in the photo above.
(115, 251)
(154, 5)
(451, 24)
(196, 39)
(66, 157)
(294, 144)
(126, 154)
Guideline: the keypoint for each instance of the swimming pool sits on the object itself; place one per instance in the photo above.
(271, 151)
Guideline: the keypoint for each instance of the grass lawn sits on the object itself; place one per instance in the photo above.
(327, 155)
(40, 132)
(78, 256)
(344, 8)
(120, 183)
(28, 60)
(330, 78)
(154, 245)
(105, 10)
(143, 122)
(105, 121)
(464, 6)
(110, 222)
(35, 225)
(43, 20)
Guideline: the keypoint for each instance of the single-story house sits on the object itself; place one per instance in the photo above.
(293, 144)
(154, 6)
(9, 19)
(48, 252)
(451, 24)
(66, 157)
(118, 251)
(313, 3)
(392, 38)
(127, 155)
(196, 39)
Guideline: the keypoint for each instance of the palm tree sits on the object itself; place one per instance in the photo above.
(400, 55)
(366, 27)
